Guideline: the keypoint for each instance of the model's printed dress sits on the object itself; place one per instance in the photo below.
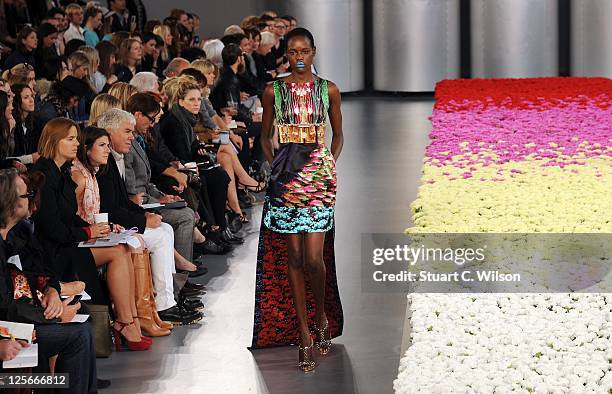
(300, 199)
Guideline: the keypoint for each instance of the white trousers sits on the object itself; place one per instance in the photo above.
(160, 242)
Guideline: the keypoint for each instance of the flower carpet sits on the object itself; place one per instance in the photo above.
(514, 156)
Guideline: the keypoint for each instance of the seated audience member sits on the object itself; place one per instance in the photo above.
(74, 13)
(26, 44)
(249, 85)
(263, 58)
(22, 73)
(72, 343)
(47, 48)
(80, 65)
(93, 21)
(177, 131)
(145, 82)
(175, 67)
(107, 52)
(25, 140)
(226, 93)
(96, 79)
(213, 49)
(128, 60)
(62, 100)
(158, 236)
(168, 51)
(60, 229)
(151, 45)
(7, 133)
(146, 110)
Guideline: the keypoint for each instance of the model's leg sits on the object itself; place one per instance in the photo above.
(296, 280)
(313, 259)
(295, 270)
(315, 265)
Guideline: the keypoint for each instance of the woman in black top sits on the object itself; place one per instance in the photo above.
(26, 141)
(128, 60)
(27, 41)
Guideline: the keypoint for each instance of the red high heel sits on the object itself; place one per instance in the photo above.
(134, 346)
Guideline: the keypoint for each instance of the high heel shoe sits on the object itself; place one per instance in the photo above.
(131, 345)
(323, 338)
(142, 330)
(261, 186)
(305, 358)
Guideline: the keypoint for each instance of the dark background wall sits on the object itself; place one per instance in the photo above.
(216, 15)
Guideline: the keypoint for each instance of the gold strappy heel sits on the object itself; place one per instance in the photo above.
(323, 341)
(305, 359)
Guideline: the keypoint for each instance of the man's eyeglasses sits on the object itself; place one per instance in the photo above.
(152, 119)
(29, 195)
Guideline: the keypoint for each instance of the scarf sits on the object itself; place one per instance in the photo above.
(187, 120)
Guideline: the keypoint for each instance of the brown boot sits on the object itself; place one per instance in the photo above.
(163, 324)
(143, 304)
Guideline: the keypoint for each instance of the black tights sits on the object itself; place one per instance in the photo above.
(305, 253)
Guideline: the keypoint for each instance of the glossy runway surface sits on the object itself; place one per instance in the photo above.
(378, 174)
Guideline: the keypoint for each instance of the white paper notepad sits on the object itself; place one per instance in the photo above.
(27, 357)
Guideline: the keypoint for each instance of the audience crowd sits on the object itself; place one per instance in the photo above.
(114, 123)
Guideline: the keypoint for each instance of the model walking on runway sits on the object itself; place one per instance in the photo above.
(296, 287)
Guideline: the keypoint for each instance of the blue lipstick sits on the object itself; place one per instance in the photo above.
(300, 64)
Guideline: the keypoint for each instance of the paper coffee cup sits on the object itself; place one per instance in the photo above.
(101, 218)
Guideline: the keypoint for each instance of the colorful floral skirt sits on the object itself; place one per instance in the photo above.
(300, 199)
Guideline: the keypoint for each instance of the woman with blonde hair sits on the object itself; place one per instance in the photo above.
(166, 35)
(96, 78)
(102, 103)
(123, 91)
(22, 74)
(60, 229)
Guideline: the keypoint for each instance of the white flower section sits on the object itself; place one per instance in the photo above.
(500, 343)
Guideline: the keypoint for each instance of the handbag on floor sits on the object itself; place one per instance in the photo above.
(100, 330)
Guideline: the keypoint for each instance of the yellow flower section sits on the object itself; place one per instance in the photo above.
(532, 198)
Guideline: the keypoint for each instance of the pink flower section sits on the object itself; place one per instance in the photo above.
(489, 135)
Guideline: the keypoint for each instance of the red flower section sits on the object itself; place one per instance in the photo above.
(528, 93)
